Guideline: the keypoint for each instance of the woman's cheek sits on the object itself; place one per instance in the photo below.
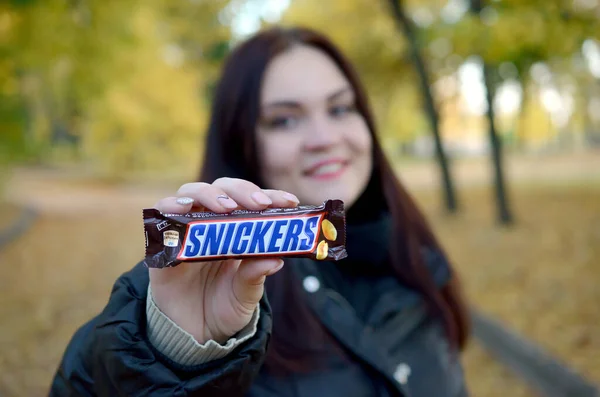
(359, 136)
(279, 157)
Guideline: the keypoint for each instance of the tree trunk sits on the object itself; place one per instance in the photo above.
(502, 205)
(407, 29)
(504, 214)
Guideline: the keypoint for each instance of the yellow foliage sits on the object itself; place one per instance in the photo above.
(362, 28)
(117, 75)
(129, 78)
(152, 117)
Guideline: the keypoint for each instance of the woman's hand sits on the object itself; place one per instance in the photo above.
(215, 300)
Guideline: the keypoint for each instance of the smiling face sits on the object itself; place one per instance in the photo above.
(311, 139)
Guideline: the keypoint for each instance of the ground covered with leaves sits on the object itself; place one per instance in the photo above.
(540, 277)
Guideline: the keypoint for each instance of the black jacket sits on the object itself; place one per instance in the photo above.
(398, 350)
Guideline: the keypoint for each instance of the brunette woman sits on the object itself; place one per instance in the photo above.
(290, 124)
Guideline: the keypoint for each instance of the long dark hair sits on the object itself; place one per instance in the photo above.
(231, 151)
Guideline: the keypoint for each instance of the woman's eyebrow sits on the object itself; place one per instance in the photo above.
(283, 104)
(339, 93)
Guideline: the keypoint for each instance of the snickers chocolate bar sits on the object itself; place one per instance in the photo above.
(317, 232)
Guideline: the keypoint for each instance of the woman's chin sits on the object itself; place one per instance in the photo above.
(318, 196)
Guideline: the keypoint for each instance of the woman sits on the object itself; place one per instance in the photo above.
(290, 124)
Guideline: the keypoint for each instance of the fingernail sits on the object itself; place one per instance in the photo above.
(184, 200)
(261, 198)
(291, 197)
(275, 270)
(227, 202)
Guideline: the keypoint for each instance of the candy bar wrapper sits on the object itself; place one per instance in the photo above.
(317, 232)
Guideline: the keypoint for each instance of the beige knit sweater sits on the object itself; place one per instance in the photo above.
(181, 347)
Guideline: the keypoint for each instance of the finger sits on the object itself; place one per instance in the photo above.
(245, 193)
(282, 199)
(173, 205)
(208, 196)
(248, 282)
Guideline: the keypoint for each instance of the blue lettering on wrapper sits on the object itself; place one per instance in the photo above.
(251, 236)
(213, 239)
(277, 234)
(257, 243)
(307, 243)
(228, 237)
(193, 244)
(293, 235)
(240, 242)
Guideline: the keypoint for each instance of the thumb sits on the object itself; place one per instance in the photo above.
(248, 282)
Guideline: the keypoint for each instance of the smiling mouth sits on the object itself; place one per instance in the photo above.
(327, 170)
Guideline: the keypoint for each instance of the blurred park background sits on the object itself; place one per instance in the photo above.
(489, 108)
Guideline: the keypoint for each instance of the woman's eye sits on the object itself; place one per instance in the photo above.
(282, 122)
(341, 110)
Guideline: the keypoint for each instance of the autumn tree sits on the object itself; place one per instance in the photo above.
(406, 26)
(510, 35)
(123, 87)
(121, 82)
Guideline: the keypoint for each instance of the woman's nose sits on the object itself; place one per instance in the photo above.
(321, 134)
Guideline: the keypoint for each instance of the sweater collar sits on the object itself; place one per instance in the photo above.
(368, 246)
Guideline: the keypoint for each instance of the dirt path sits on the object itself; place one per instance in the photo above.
(550, 170)
(61, 272)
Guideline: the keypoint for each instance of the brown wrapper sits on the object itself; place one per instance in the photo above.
(317, 232)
